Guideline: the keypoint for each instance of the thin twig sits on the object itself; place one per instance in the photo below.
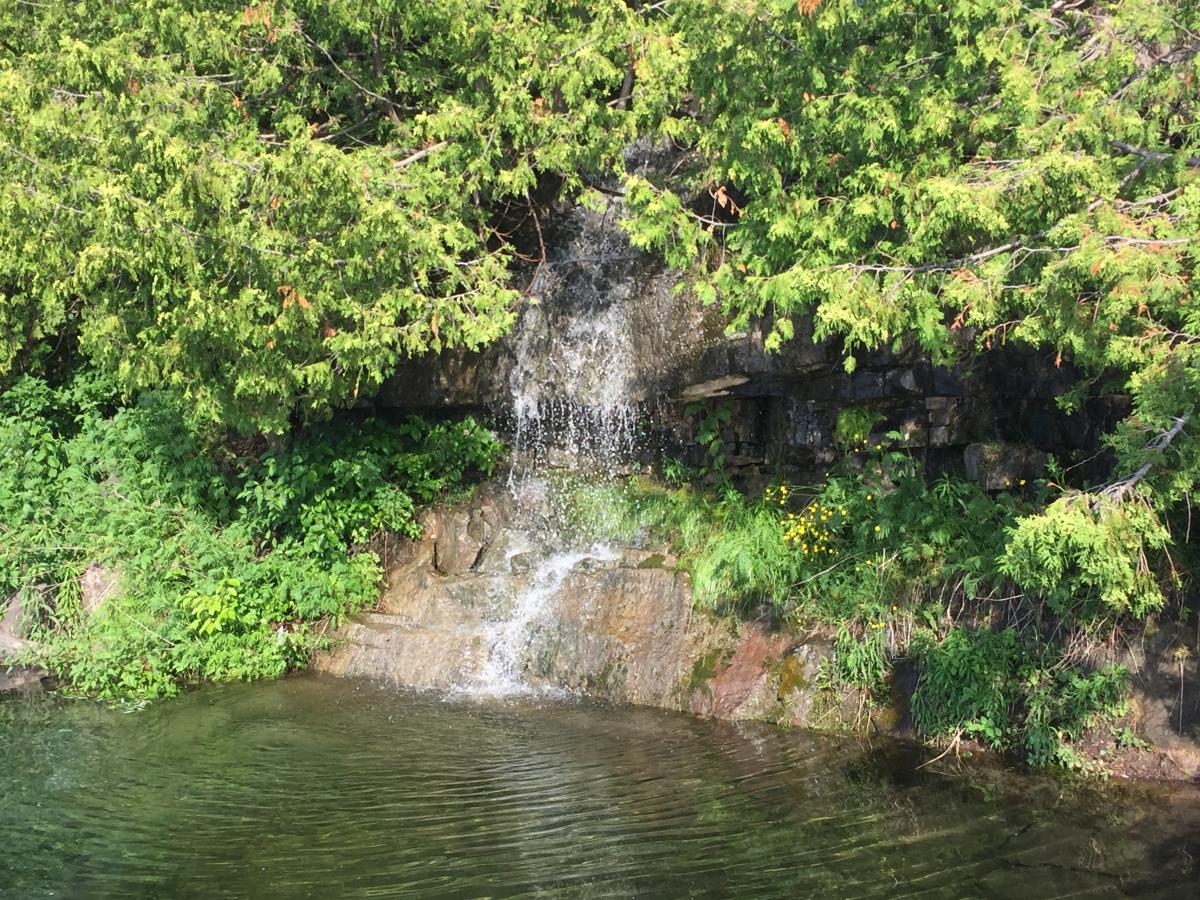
(421, 154)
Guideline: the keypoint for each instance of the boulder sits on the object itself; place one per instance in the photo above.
(1000, 466)
(616, 623)
(14, 675)
(97, 584)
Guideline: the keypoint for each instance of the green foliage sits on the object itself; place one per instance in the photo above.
(967, 684)
(1008, 694)
(1088, 557)
(920, 172)
(853, 427)
(848, 550)
(742, 559)
(708, 435)
(862, 660)
(1126, 739)
(219, 563)
(870, 539)
(265, 204)
(734, 547)
(890, 562)
(677, 473)
(335, 487)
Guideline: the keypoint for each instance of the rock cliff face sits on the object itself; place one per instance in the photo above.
(486, 603)
(604, 325)
(477, 605)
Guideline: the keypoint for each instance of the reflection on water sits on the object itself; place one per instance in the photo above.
(323, 788)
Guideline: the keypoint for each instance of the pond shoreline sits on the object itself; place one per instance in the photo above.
(621, 625)
(318, 784)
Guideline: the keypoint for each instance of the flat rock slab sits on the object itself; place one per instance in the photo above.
(617, 625)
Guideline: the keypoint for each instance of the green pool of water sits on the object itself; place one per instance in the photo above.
(319, 788)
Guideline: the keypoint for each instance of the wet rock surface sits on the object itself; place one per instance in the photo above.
(15, 675)
(97, 584)
(604, 325)
(614, 623)
(1164, 668)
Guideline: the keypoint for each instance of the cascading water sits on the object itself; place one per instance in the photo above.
(508, 638)
(571, 407)
(571, 402)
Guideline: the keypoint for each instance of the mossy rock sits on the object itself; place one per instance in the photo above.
(653, 561)
(705, 669)
(791, 676)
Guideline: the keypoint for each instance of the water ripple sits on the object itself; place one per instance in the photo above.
(318, 788)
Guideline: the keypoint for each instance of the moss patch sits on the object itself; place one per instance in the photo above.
(654, 561)
(791, 677)
(705, 668)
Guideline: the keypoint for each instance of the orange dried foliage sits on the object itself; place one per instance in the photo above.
(292, 297)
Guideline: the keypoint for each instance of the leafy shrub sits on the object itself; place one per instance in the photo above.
(734, 548)
(1087, 557)
(224, 561)
(862, 660)
(967, 685)
(997, 688)
(335, 486)
(853, 427)
(881, 555)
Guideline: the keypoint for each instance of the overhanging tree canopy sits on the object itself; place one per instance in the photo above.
(1019, 171)
(266, 205)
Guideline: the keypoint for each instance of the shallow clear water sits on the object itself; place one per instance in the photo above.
(322, 788)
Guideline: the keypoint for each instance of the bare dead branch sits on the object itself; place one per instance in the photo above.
(1118, 489)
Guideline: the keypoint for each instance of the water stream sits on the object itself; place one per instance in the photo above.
(326, 788)
(571, 406)
(508, 638)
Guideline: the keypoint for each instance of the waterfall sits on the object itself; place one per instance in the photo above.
(508, 638)
(571, 406)
(571, 399)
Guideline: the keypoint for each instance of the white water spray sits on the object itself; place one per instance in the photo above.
(509, 638)
(573, 406)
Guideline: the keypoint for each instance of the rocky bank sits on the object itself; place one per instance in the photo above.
(617, 623)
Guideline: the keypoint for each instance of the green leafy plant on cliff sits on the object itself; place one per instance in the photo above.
(1009, 693)
(897, 560)
(950, 176)
(215, 565)
(1091, 558)
(894, 565)
(711, 420)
